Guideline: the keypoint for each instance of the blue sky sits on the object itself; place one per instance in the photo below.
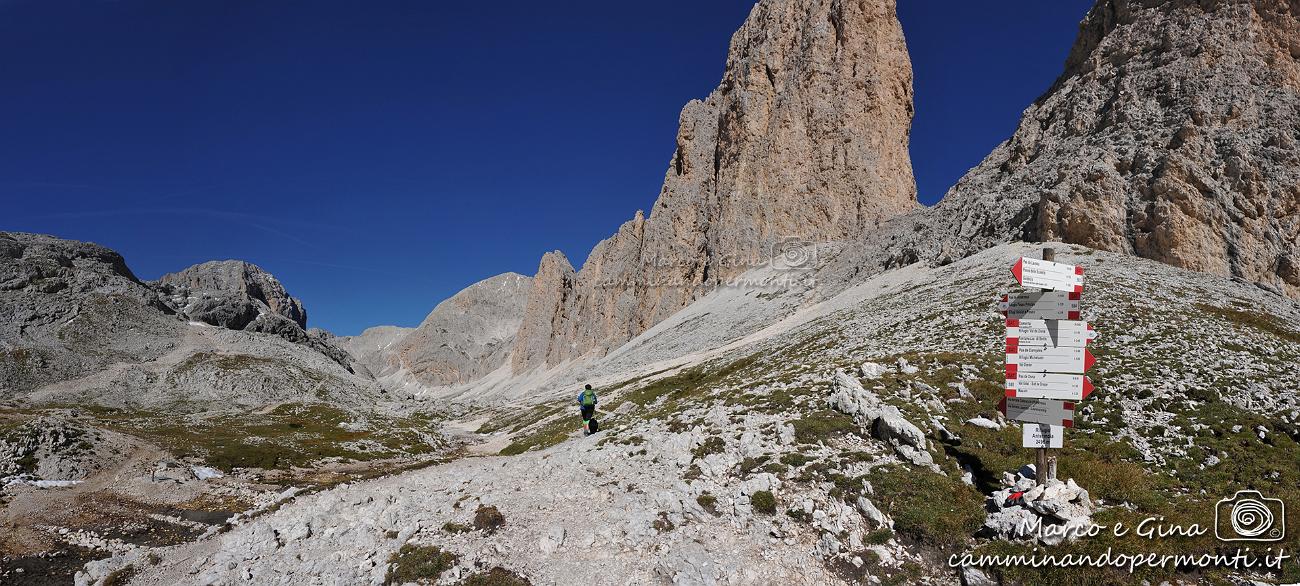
(377, 157)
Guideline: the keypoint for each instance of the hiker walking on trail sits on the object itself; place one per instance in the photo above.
(587, 406)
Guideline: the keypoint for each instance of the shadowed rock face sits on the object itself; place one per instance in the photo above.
(1171, 135)
(805, 138)
(223, 293)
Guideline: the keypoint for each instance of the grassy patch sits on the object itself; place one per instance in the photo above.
(496, 577)
(688, 385)
(763, 502)
(822, 426)
(291, 435)
(795, 459)
(418, 563)
(930, 508)
(708, 502)
(488, 519)
(711, 445)
(516, 420)
(1253, 319)
(454, 527)
(544, 436)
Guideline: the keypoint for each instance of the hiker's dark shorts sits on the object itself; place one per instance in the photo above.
(588, 412)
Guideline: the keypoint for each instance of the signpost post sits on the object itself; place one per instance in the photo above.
(1046, 355)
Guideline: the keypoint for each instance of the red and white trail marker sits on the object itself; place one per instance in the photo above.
(1049, 332)
(1049, 411)
(1040, 305)
(1044, 274)
(1046, 385)
(1063, 359)
(1038, 435)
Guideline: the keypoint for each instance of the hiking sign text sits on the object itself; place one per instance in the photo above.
(1049, 332)
(1043, 274)
(1064, 359)
(1046, 385)
(1040, 305)
(1049, 411)
(1039, 435)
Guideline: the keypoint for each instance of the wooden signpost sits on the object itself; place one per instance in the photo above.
(1046, 355)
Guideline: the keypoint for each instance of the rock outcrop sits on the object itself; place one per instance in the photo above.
(228, 293)
(77, 326)
(1172, 135)
(885, 422)
(70, 308)
(239, 295)
(805, 140)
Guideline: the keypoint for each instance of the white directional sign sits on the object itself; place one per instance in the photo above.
(1049, 411)
(1064, 359)
(1049, 332)
(1046, 385)
(1043, 274)
(1040, 305)
(1038, 435)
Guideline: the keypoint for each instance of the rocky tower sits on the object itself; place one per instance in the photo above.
(1171, 135)
(805, 138)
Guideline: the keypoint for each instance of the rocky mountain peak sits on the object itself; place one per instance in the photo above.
(1171, 135)
(805, 137)
(244, 279)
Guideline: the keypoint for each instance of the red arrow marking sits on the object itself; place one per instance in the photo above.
(1015, 323)
(1087, 387)
(1002, 406)
(1088, 360)
(1067, 423)
(1016, 269)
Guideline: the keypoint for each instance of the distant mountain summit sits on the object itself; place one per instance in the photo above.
(462, 339)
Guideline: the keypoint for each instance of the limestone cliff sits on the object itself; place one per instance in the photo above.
(804, 140)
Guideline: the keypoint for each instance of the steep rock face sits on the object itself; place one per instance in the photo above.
(1172, 135)
(544, 316)
(219, 289)
(464, 337)
(805, 139)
